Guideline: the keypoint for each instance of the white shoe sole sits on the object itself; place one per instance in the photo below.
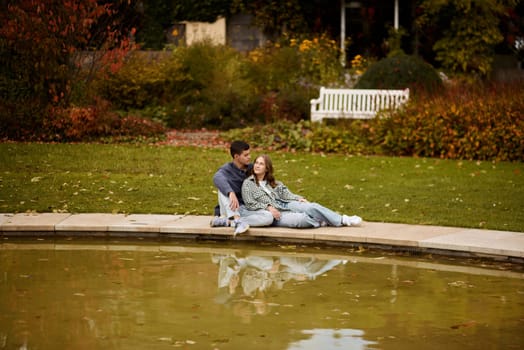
(244, 229)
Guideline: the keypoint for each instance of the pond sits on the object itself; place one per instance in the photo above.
(71, 294)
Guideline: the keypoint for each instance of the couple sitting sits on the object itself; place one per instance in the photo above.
(249, 195)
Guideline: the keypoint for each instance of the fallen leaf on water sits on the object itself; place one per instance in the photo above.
(464, 325)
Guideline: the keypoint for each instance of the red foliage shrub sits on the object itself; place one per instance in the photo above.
(94, 123)
(464, 122)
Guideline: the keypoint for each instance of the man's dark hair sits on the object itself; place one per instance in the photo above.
(237, 147)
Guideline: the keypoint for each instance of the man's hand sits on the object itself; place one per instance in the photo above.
(233, 201)
(274, 211)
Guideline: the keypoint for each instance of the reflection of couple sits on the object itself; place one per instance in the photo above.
(249, 195)
(256, 274)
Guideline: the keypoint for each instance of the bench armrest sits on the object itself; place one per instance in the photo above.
(317, 101)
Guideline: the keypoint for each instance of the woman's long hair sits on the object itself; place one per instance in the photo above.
(269, 177)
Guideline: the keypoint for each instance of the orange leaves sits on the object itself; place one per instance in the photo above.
(473, 122)
(43, 37)
(95, 122)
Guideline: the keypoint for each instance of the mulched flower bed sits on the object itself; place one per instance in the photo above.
(196, 138)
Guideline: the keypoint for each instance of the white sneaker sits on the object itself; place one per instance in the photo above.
(240, 227)
(219, 221)
(351, 220)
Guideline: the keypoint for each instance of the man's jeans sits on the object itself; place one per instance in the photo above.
(254, 218)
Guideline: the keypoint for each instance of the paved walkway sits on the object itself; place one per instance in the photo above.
(443, 240)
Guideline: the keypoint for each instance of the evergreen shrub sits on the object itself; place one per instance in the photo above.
(283, 135)
(399, 72)
(143, 81)
(218, 94)
(202, 85)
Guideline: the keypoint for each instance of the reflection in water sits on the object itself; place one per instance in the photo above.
(254, 276)
(257, 274)
(332, 339)
(116, 296)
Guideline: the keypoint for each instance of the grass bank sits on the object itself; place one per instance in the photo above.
(81, 178)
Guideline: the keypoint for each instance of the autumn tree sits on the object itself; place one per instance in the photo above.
(38, 41)
(274, 17)
(470, 32)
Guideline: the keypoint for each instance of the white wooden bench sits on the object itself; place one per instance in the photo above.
(355, 103)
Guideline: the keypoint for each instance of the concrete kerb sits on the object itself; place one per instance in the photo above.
(402, 237)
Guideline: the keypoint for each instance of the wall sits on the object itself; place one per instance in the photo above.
(200, 31)
(242, 35)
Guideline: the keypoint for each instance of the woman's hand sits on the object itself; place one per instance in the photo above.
(303, 200)
(274, 211)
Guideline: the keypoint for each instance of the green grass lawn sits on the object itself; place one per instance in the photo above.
(80, 178)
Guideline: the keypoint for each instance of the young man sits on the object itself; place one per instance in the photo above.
(228, 180)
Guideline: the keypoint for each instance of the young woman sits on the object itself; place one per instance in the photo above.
(261, 191)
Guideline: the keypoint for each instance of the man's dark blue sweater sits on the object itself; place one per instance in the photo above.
(229, 178)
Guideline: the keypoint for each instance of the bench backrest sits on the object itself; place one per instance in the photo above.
(355, 103)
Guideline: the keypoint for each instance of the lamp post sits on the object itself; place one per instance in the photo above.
(395, 22)
(343, 32)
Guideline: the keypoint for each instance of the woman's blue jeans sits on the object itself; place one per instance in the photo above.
(316, 211)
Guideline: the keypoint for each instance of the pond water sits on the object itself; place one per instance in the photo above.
(163, 295)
